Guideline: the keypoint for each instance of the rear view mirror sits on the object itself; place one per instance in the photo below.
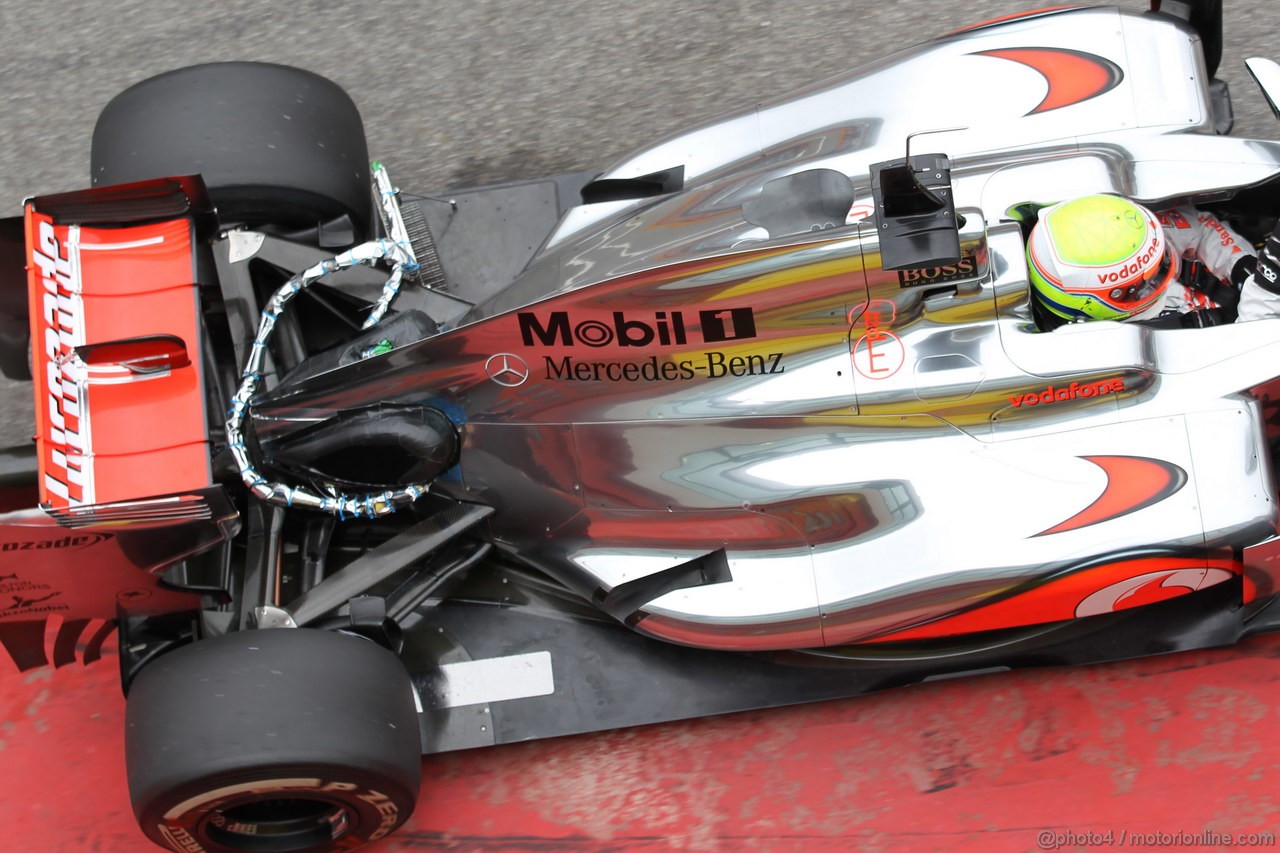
(1267, 75)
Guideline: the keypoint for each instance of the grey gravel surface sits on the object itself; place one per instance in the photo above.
(474, 91)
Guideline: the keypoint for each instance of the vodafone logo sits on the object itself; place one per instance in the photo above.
(1129, 270)
(1132, 268)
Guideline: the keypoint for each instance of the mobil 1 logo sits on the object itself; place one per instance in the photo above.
(630, 329)
(647, 330)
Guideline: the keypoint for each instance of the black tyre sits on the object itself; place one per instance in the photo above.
(274, 144)
(272, 740)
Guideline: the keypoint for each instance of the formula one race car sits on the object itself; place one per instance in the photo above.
(760, 415)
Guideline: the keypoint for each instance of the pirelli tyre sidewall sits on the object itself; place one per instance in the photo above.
(334, 810)
(273, 740)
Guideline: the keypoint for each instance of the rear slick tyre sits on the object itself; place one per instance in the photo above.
(275, 145)
(273, 741)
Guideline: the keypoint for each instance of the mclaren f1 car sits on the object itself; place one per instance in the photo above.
(760, 414)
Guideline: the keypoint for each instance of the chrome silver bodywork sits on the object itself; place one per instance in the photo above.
(871, 453)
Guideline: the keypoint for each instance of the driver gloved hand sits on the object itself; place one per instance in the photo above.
(1268, 272)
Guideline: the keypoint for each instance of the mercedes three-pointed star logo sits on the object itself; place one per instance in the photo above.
(507, 369)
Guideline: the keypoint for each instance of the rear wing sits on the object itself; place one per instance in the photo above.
(116, 346)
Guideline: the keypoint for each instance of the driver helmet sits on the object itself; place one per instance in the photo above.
(1099, 257)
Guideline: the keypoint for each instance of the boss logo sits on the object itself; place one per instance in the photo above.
(964, 268)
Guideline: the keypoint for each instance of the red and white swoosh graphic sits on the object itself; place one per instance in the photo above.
(1149, 588)
(1106, 587)
(1133, 483)
(1072, 75)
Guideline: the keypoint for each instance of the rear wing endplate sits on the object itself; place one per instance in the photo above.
(115, 326)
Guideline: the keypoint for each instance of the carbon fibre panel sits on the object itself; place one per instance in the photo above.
(607, 677)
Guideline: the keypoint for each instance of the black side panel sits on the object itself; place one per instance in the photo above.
(131, 204)
(625, 189)
(625, 600)
(465, 221)
(605, 676)
(15, 331)
(915, 212)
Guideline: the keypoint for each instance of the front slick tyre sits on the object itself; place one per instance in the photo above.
(272, 740)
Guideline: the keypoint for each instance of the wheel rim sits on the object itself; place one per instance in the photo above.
(278, 824)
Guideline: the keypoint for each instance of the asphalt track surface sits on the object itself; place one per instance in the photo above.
(464, 93)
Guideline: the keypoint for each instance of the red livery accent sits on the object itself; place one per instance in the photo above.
(1072, 75)
(114, 435)
(1098, 589)
(1173, 219)
(797, 634)
(1133, 483)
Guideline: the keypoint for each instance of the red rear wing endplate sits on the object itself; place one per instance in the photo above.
(108, 432)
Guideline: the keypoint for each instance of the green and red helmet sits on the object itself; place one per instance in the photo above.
(1099, 257)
